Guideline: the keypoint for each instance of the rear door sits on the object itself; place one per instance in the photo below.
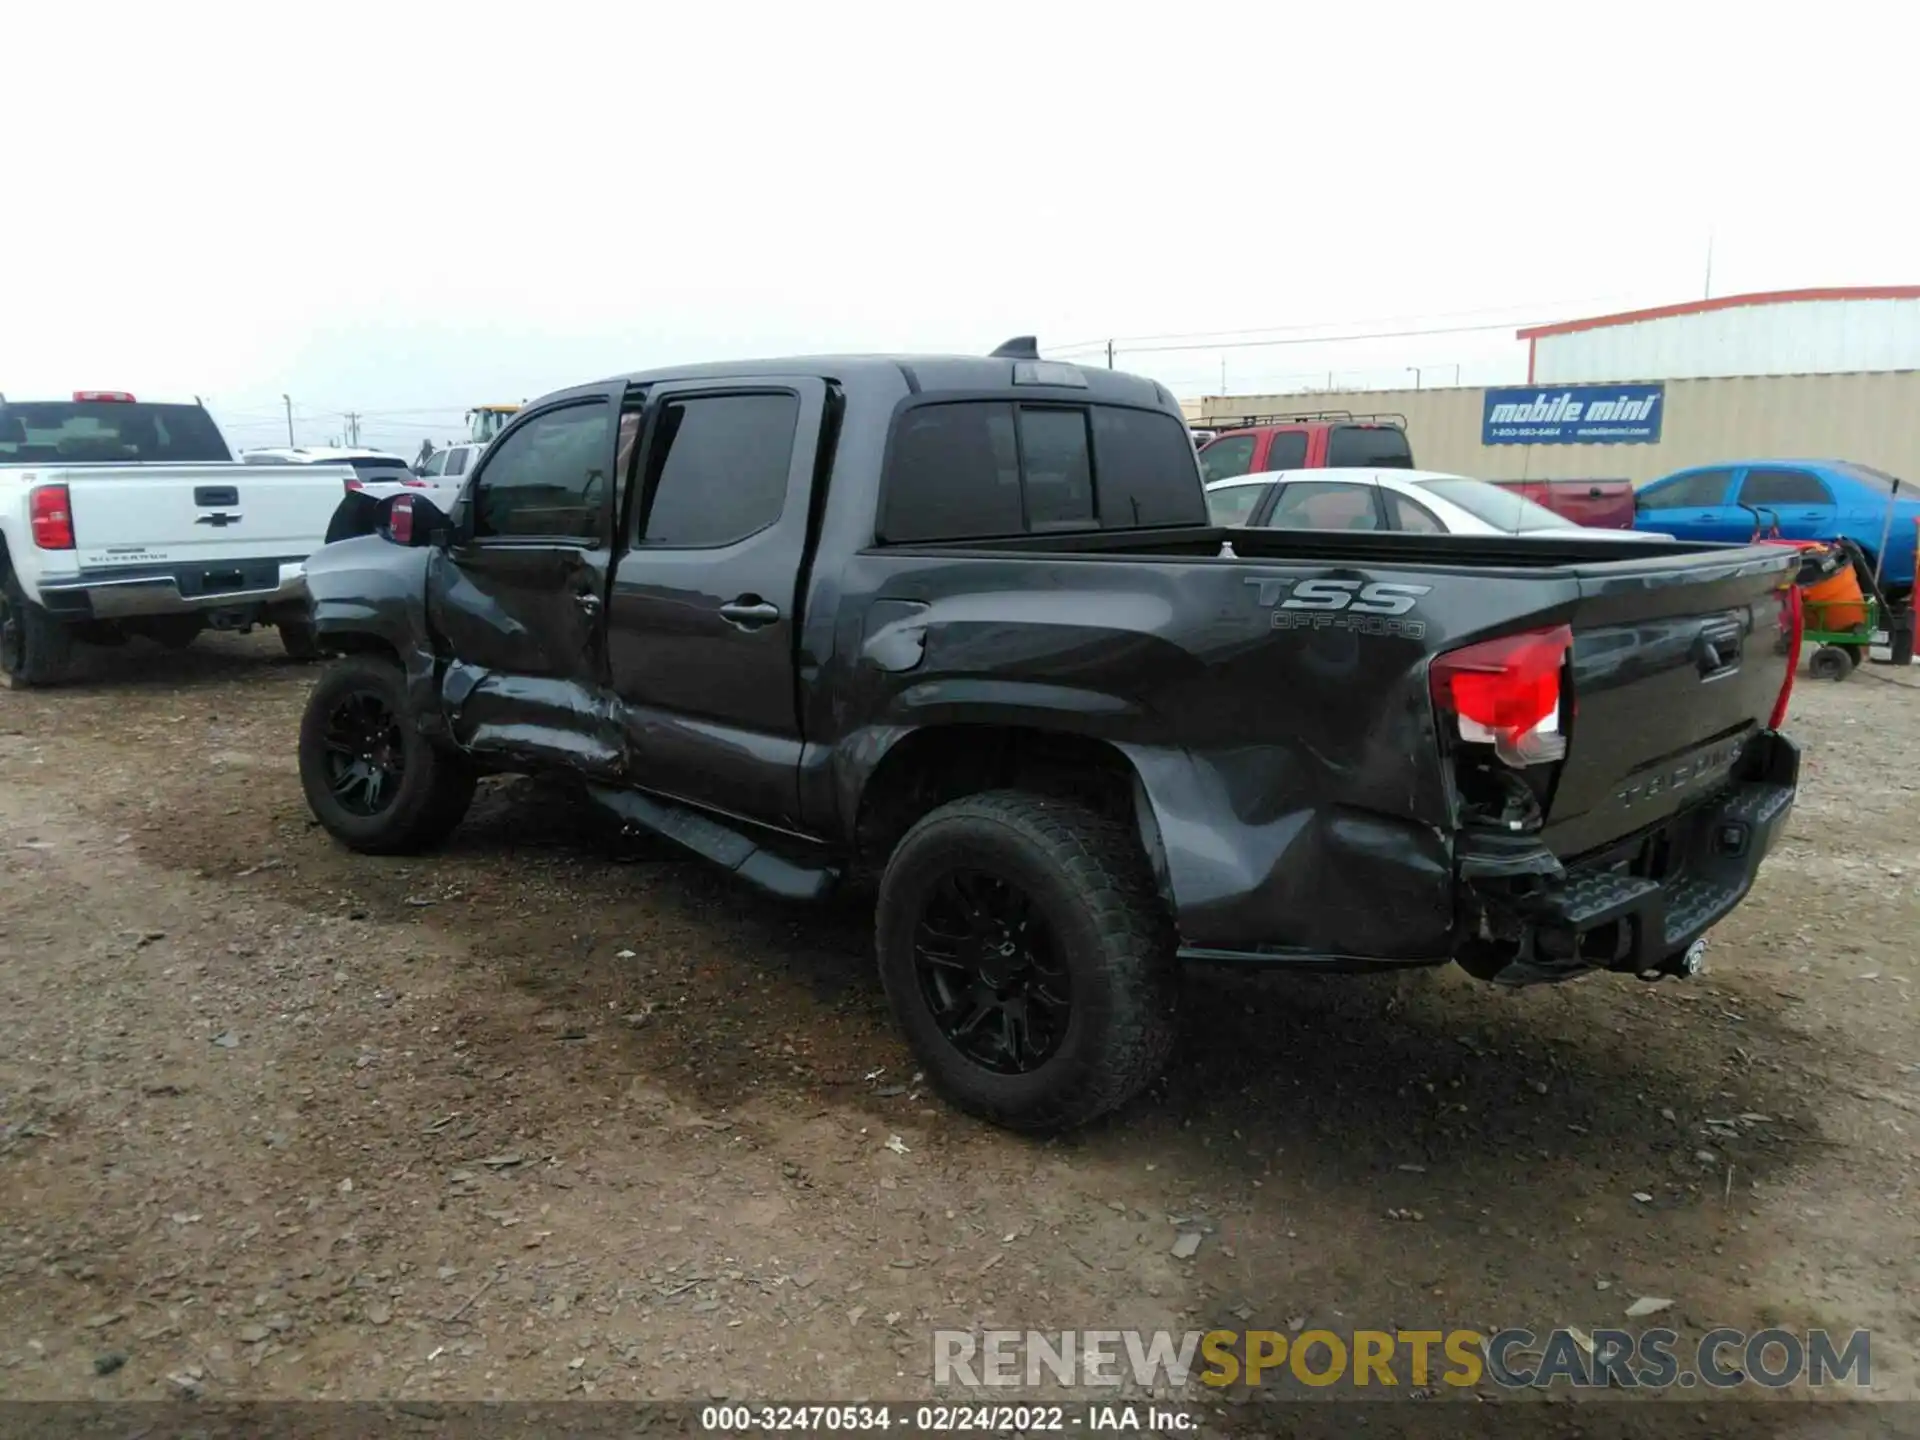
(1798, 500)
(1697, 505)
(202, 516)
(705, 599)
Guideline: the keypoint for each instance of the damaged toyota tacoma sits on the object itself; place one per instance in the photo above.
(960, 628)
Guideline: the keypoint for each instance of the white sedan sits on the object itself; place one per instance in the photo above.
(1419, 502)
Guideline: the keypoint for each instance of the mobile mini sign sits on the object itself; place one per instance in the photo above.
(1574, 415)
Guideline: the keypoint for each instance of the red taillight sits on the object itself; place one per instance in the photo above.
(1506, 693)
(1792, 620)
(115, 397)
(51, 516)
(353, 485)
(400, 520)
(414, 484)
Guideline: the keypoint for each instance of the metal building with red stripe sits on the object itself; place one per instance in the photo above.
(1827, 331)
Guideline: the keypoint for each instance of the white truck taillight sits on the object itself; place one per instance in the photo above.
(50, 517)
(1506, 693)
(400, 520)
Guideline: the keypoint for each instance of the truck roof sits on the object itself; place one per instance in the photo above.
(921, 373)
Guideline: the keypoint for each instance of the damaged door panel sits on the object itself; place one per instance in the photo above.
(520, 596)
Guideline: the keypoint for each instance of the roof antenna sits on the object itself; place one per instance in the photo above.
(1021, 347)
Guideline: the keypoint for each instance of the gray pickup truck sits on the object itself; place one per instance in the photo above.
(961, 625)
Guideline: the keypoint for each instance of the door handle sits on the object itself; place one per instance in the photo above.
(588, 602)
(749, 612)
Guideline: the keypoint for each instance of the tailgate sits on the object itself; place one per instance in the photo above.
(1676, 664)
(200, 514)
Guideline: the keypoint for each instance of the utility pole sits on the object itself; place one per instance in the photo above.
(1109, 354)
(353, 427)
(1709, 286)
(288, 399)
(1416, 375)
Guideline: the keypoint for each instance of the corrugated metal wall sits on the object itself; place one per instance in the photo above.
(1808, 337)
(1872, 418)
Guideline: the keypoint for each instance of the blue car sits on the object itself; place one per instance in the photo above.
(1806, 499)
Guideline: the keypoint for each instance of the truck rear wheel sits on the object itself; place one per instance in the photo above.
(1028, 958)
(371, 778)
(35, 648)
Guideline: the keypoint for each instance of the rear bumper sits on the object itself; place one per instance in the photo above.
(1640, 903)
(109, 595)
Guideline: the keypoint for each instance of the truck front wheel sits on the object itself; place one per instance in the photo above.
(1028, 959)
(371, 778)
(35, 648)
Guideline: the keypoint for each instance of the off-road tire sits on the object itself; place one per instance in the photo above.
(35, 647)
(436, 785)
(1087, 878)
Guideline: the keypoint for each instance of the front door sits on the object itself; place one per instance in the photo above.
(1694, 506)
(702, 632)
(519, 598)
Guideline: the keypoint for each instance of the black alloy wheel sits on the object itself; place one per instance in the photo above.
(364, 753)
(990, 972)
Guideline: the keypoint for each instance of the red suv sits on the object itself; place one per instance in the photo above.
(1254, 444)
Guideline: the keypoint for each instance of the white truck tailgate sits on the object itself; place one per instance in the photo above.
(200, 514)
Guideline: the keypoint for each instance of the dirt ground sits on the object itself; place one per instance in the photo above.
(538, 1116)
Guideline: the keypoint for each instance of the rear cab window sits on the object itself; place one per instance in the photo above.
(108, 432)
(972, 469)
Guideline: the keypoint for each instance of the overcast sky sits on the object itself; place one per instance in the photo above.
(408, 208)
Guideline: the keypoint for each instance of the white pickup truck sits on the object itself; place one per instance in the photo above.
(120, 517)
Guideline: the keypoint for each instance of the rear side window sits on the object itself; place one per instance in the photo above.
(1325, 505)
(1287, 450)
(973, 469)
(1783, 487)
(1372, 447)
(954, 474)
(108, 432)
(1410, 515)
(1226, 458)
(717, 468)
(457, 460)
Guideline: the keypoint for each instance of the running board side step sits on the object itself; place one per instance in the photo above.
(726, 847)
